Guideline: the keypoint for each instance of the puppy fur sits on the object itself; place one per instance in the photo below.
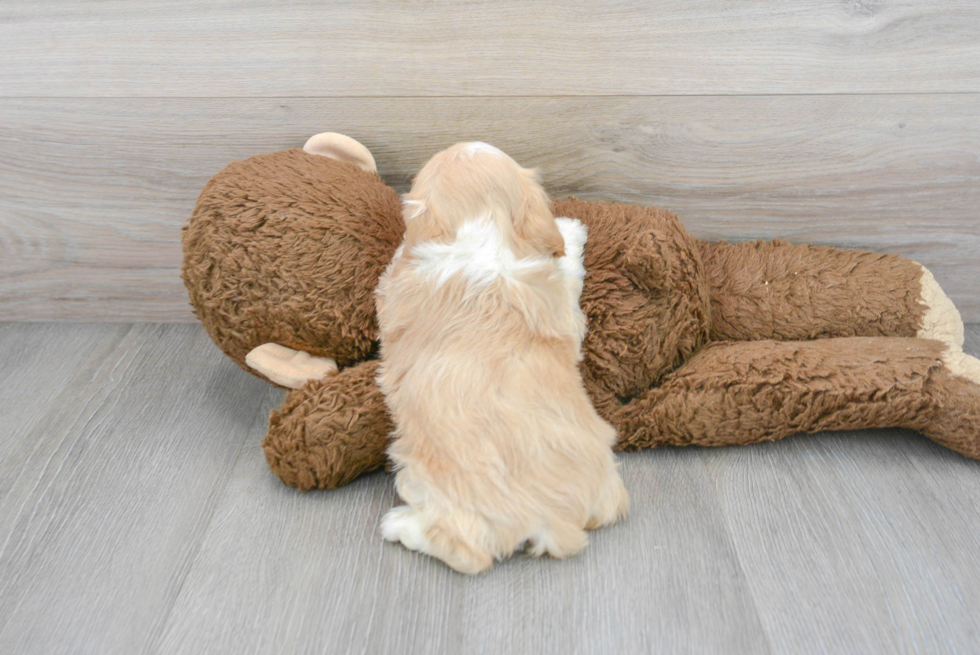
(496, 444)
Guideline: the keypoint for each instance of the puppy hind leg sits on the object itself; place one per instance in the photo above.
(434, 537)
(460, 553)
(404, 524)
(560, 540)
(611, 504)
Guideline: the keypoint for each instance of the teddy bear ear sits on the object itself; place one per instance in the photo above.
(342, 148)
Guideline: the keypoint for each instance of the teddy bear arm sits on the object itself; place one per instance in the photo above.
(779, 290)
(330, 431)
(335, 429)
(744, 392)
(288, 367)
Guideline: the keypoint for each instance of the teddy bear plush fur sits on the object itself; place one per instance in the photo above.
(689, 342)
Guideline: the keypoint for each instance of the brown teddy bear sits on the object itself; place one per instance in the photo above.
(689, 342)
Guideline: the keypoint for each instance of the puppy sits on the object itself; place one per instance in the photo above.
(496, 443)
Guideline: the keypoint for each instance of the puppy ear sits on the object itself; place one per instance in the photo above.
(534, 222)
(423, 222)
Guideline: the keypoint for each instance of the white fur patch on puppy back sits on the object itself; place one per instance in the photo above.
(478, 253)
(575, 235)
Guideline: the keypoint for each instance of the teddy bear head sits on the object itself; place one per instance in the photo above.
(288, 247)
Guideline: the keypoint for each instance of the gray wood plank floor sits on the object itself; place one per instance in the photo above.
(137, 515)
(476, 48)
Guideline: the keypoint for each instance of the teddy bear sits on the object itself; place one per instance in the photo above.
(689, 342)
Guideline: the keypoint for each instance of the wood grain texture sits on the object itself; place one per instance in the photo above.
(295, 573)
(109, 479)
(94, 190)
(40, 361)
(474, 48)
(849, 547)
(137, 515)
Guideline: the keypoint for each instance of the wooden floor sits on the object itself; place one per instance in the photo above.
(137, 515)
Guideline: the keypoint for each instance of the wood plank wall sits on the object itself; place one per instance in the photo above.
(853, 123)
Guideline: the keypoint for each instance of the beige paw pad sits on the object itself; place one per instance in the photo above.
(961, 364)
(942, 320)
(287, 367)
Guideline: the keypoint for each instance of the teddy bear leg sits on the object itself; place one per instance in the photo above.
(778, 290)
(744, 392)
(330, 431)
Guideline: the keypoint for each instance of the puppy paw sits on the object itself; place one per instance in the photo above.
(287, 367)
(447, 544)
(612, 504)
(401, 524)
(557, 541)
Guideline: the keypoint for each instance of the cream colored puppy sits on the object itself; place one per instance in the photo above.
(496, 442)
